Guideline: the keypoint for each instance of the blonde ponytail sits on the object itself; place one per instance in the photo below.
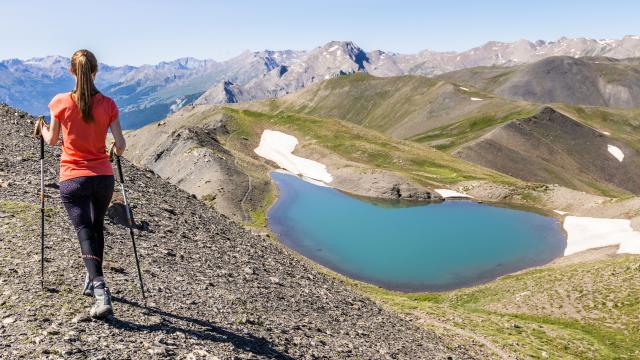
(83, 66)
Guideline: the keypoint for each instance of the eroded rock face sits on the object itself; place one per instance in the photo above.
(214, 288)
(406, 191)
(193, 158)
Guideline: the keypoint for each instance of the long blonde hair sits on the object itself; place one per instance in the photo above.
(83, 65)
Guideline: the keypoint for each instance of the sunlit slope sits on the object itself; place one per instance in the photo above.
(587, 310)
(401, 107)
(423, 164)
(584, 81)
(551, 147)
(453, 117)
(208, 150)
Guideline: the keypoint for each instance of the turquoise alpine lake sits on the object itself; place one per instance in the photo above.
(428, 247)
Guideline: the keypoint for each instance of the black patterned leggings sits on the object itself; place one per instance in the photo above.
(86, 199)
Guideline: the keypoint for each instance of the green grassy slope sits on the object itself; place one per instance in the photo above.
(470, 127)
(439, 111)
(423, 164)
(589, 310)
(401, 107)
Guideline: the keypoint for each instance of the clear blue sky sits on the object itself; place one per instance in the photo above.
(136, 32)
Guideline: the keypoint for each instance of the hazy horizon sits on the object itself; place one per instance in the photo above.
(307, 49)
(145, 32)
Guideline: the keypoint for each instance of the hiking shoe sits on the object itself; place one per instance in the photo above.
(102, 307)
(88, 287)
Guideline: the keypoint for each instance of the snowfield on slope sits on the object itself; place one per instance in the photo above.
(452, 194)
(585, 233)
(616, 152)
(278, 147)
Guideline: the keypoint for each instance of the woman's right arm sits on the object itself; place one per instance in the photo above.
(51, 132)
(116, 131)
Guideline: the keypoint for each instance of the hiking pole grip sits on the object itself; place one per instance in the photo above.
(119, 166)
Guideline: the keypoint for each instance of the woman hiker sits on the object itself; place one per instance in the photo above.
(84, 116)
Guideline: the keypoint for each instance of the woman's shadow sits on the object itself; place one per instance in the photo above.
(210, 332)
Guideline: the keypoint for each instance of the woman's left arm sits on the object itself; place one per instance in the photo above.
(51, 133)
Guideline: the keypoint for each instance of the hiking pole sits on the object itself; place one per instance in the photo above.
(38, 133)
(129, 221)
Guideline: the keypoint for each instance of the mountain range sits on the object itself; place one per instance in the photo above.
(148, 93)
(550, 127)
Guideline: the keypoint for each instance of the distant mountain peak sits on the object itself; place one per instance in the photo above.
(253, 75)
(49, 61)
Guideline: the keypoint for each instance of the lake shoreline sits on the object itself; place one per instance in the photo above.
(288, 236)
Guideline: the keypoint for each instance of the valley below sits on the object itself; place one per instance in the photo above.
(371, 160)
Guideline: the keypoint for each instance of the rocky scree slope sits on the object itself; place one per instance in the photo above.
(193, 158)
(215, 290)
(592, 81)
(553, 148)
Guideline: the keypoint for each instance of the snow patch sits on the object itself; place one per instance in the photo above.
(463, 88)
(334, 48)
(307, 179)
(476, 99)
(560, 212)
(629, 247)
(585, 233)
(448, 194)
(616, 152)
(607, 42)
(278, 147)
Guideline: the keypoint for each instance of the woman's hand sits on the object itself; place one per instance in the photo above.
(37, 129)
(113, 151)
(50, 132)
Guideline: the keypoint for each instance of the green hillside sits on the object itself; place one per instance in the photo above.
(446, 113)
(587, 310)
(401, 107)
(423, 164)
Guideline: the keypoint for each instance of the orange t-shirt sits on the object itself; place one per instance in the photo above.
(83, 144)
